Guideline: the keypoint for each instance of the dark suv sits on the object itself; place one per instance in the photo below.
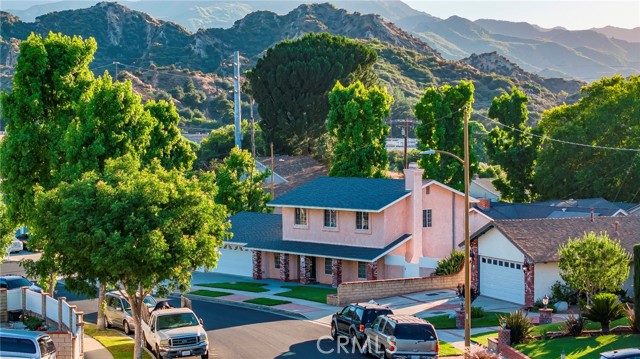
(354, 318)
(11, 281)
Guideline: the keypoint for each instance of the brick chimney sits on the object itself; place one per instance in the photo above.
(484, 203)
(616, 224)
(413, 183)
(592, 216)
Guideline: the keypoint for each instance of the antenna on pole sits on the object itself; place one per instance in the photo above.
(236, 99)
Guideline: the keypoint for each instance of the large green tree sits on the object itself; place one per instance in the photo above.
(51, 76)
(513, 147)
(356, 121)
(135, 226)
(218, 144)
(440, 112)
(582, 261)
(291, 84)
(608, 116)
(240, 183)
(7, 230)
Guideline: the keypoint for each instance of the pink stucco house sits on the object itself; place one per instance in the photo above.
(333, 230)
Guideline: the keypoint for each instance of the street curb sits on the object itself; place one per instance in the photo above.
(263, 308)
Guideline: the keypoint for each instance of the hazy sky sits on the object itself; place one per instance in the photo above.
(571, 14)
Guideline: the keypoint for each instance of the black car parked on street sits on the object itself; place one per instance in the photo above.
(353, 319)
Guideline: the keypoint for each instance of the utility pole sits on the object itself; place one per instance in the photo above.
(272, 173)
(253, 130)
(467, 242)
(405, 131)
(236, 99)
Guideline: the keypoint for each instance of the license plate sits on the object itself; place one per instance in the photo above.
(186, 353)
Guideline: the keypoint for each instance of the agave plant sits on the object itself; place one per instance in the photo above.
(574, 325)
(604, 309)
(519, 325)
(631, 314)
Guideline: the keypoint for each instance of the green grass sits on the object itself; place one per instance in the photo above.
(490, 319)
(447, 349)
(314, 294)
(582, 347)
(244, 286)
(209, 293)
(483, 338)
(119, 345)
(267, 301)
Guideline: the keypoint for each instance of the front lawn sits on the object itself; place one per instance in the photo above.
(209, 293)
(244, 286)
(314, 294)
(447, 350)
(118, 344)
(490, 319)
(267, 301)
(581, 347)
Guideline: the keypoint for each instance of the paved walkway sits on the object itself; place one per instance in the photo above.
(94, 350)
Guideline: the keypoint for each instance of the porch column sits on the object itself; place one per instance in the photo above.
(529, 275)
(372, 271)
(305, 270)
(257, 264)
(284, 267)
(336, 272)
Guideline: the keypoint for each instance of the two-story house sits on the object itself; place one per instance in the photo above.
(336, 229)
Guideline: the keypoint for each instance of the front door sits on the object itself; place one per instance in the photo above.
(312, 274)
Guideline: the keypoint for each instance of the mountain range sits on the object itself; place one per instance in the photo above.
(586, 54)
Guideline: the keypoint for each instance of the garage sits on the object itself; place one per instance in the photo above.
(502, 279)
(235, 259)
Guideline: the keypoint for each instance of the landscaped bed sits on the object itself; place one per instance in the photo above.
(314, 294)
(267, 301)
(209, 293)
(118, 344)
(243, 286)
(490, 319)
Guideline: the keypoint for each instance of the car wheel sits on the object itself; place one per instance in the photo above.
(381, 352)
(107, 323)
(145, 342)
(205, 355)
(334, 331)
(352, 337)
(126, 328)
(158, 356)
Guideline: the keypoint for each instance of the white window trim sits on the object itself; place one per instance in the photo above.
(363, 231)
(301, 226)
(330, 229)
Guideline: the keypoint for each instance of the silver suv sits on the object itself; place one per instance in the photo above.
(118, 311)
(402, 337)
(16, 343)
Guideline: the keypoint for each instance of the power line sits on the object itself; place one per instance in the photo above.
(560, 141)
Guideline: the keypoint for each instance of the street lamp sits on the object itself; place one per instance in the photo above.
(467, 244)
(545, 301)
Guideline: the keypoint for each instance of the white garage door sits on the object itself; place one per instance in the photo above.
(502, 279)
(234, 259)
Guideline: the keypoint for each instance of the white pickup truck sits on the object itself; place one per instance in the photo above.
(175, 333)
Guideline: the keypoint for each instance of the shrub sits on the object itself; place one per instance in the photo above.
(574, 325)
(477, 312)
(605, 308)
(33, 323)
(451, 264)
(632, 317)
(563, 292)
(519, 325)
(460, 292)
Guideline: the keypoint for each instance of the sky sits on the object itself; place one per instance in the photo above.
(571, 14)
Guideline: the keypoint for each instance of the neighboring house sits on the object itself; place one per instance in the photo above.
(291, 172)
(554, 209)
(517, 260)
(482, 188)
(337, 229)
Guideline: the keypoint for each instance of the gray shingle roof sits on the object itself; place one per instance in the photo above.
(539, 239)
(361, 194)
(502, 210)
(260, 231)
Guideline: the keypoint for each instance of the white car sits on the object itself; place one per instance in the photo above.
(16, 246)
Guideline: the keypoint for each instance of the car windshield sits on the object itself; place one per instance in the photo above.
(178, 320)
(148, 301)
(13, 283)
(372, 314)
(414, 332)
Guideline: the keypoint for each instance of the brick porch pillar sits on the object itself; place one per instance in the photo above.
(372, 271)
(529, 284)
(257, 264)
(4, 316)
(284, 267)
(336, 272)
(305, 270)
(504, 337)
(475, 269)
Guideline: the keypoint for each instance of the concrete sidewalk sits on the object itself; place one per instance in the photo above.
(94, 350)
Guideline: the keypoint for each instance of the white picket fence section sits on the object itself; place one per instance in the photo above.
(14, 300)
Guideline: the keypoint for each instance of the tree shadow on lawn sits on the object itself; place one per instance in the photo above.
(580, 347)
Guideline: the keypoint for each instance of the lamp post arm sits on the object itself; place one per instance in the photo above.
(450, 154)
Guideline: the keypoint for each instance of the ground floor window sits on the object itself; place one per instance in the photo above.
(362, 270)
(328, 266)
(276, 260)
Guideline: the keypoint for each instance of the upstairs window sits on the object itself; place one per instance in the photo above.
(301, 217)
(362, 221)
(426, 218)
(330, 218)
